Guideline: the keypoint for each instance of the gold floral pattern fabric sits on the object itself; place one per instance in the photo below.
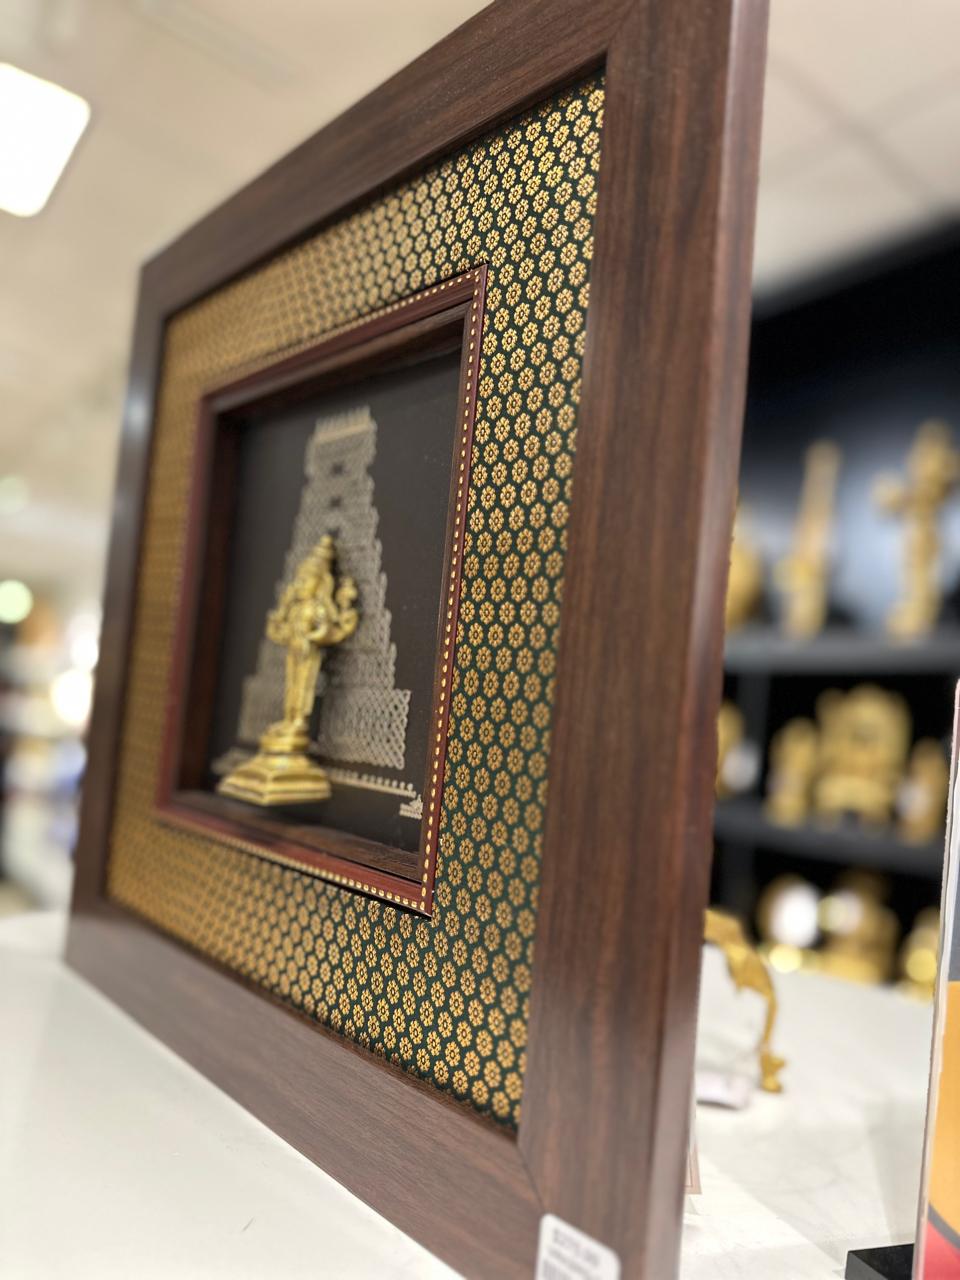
(445, 996)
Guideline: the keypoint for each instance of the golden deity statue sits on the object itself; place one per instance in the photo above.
(745, 581)
(864, 739)
(803, 575)
(794, 759)
(923, 793)
(848, 933)
(859, 931)
(918, 956)
(730, 731)
(933, 472)
(315, 612)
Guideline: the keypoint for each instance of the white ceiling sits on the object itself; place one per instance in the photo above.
(191, 98)
(861, 134)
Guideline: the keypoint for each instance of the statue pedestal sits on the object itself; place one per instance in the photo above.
(274, 779)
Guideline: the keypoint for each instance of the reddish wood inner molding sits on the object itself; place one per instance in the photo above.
(445, 317)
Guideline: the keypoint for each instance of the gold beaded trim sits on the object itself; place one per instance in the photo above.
(449, 625)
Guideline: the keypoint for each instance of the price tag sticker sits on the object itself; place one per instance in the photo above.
(565, 1253)
(723, 1090)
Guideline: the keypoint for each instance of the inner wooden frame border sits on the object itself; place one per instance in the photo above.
(445, 317)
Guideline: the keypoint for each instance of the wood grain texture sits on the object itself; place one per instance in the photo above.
(614, 995)
(626, 853)
(314, 847)
(418, 1157)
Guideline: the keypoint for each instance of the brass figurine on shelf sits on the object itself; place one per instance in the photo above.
(730, 733)
(848, 933)
(315, 612)
(745, 582)
(738, 757)
(922, 801)
(859, 930)
(933, 472)
(918, 955)
(803, 575)
(864, 739)
(787, 921)
(794, 757)
(747, 969)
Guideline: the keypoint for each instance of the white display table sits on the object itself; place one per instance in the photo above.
(831, 1164)
(120, 1162)
(117, 1159)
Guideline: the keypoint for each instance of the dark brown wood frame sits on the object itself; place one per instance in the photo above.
(627, 840)
(448, 315)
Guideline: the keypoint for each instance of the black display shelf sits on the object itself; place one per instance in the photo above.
(743, 822)
(841, 651)
(893, 1262)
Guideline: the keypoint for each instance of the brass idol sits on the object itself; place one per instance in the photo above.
(804, 575)
(315, 612)
(745, 581)
(933, 473)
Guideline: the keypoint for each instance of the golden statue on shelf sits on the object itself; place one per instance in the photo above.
(747, 969)
(745, 581)
(794, 757)
(933, 472)
(859, 931)
(864, 739)
(730, 732)
(918, 956)
(803, 575)
(923, 793)
(314, 612)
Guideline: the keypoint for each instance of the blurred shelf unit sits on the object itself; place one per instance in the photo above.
(743, 822)
(37, 864)
(841, 652)
(22, 664)
(859, 358)
(41, 762)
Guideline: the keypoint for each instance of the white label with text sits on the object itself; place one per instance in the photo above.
(567, 1254)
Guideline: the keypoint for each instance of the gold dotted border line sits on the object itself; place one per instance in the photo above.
(430, 843)
(432, 815)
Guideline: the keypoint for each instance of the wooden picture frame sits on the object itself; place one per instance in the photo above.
(623, 877)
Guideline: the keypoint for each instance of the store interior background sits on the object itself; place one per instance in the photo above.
(855, 336)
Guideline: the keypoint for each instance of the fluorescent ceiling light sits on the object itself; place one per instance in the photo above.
(40, 124)
(16, 601)
(71, 694)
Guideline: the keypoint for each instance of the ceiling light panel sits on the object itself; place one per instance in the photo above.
(40, 124)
